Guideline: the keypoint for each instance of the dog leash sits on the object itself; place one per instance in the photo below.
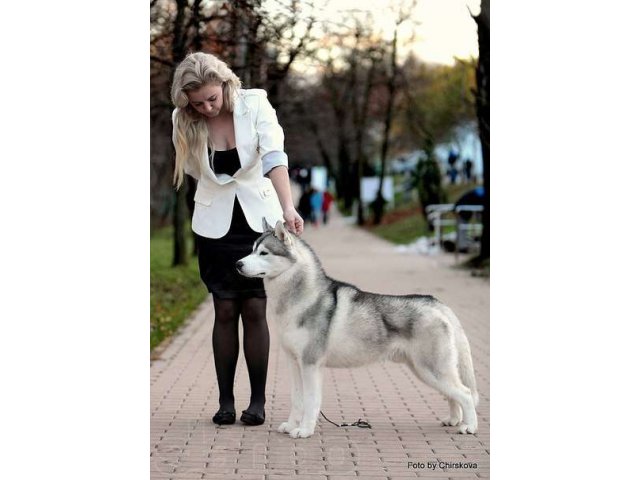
(360, 423)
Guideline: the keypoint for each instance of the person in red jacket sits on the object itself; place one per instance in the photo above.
(327, 200)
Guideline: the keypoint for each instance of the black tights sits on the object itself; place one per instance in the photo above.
(226, 348)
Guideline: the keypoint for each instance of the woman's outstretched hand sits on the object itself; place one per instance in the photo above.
(293, 221)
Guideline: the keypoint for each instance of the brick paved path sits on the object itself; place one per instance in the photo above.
(405, 414)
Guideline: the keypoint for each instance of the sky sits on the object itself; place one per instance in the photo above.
(445, 31)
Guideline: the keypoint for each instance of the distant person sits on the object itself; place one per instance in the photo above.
(452, 158)
(452, 172)
(316, 206)
(468, 169)
(327, 200)
(453, 175)
(304, 204)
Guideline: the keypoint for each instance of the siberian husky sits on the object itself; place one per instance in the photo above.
(322, 322)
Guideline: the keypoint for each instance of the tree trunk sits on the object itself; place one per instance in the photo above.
(360, 121)
(482, 109)
(343, 184)
(326, 158)
(196, 21)
(178, 50)
(378, 203)
(344, 171)
(192, 186)
(179, 238)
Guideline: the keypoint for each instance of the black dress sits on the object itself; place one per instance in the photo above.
(217, 256)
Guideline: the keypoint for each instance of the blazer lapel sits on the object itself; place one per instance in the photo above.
(244, 130)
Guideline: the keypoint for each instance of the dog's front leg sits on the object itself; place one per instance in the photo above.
(295, 415)
(312, 397)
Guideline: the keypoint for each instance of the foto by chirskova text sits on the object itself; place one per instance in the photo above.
(441, 465)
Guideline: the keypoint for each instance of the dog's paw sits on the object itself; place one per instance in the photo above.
(301, 432)
(450, 422)
(286, 427)
(464, 428)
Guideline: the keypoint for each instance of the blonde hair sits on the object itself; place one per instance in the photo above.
(189, 128)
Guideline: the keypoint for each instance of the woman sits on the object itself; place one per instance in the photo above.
(230, 141)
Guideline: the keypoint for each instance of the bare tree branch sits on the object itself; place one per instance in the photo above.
(162, 61)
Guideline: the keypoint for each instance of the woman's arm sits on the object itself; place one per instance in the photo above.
(274, 161)
(279, 176)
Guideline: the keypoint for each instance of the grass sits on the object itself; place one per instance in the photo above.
(175, 291)
(401, 225)
(403, 231)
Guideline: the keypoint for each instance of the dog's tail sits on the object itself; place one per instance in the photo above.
(465, 366)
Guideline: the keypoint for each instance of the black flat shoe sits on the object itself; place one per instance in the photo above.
(252, 418)
(224, 418)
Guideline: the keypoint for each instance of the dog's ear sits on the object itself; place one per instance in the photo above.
(282, 234)
(265, 226)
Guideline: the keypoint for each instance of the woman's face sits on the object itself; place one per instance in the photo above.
(206, 100)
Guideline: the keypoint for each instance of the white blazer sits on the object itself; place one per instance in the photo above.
(260, 144)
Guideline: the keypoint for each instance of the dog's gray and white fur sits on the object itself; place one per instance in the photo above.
(323, 322)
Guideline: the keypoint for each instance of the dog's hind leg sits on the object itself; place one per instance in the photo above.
(455, 414)
(465, 368)
(312, 398)
(446, 380)
(295, 415)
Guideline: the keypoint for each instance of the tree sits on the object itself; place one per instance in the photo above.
(482, 108)
(361, 116)
(378, 203)
(178, 52)
(437, 101)
(344, 99)
(339, 86)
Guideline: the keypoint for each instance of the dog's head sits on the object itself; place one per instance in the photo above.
(273, 253)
